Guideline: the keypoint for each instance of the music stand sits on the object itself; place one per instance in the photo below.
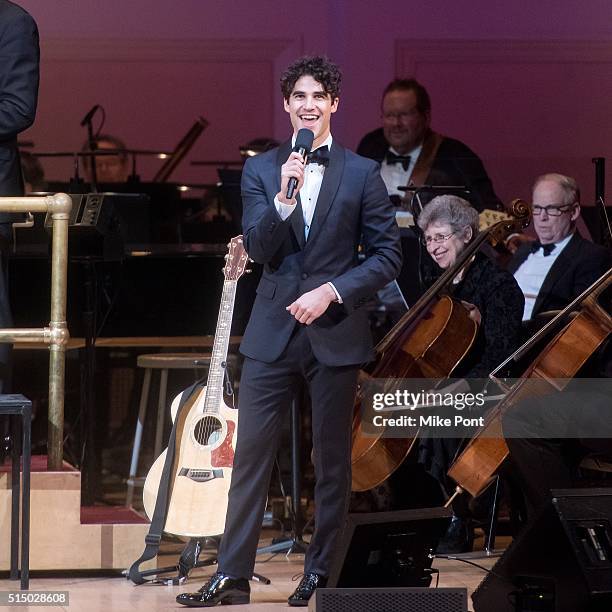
(109, 246)
(95, 236)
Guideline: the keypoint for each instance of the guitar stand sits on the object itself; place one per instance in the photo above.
(189, 560)
(294, 544)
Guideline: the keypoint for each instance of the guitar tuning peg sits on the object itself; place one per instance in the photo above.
(251, 260)
(248, 271)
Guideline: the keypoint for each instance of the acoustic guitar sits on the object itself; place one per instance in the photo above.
(205, 434)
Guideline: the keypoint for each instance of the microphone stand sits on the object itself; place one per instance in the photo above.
(93, 160)
(76, 182)
(89, 463)
(604, 229)
(133, 178)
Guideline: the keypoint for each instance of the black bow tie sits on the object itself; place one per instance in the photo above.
(319, 156)
(392, 158)
(547, 248)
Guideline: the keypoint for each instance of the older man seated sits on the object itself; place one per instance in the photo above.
(561, 264)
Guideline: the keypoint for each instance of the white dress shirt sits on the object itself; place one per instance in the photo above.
(395, 176)
(532, 272)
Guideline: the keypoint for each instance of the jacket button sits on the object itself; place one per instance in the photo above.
(304, 276)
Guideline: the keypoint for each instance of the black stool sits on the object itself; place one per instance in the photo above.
(19, 408)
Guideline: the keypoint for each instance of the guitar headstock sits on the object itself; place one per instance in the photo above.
(236, 259)
(488, 218)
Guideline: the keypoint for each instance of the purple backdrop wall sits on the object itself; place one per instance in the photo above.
(525, 84)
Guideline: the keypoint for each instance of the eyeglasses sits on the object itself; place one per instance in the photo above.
(555, 210)
(436, 238)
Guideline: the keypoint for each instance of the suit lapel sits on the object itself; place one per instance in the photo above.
(329, 187)
(297, 216)
(557, 270)
(297, 223)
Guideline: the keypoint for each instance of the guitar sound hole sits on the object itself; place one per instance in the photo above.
(208, 431)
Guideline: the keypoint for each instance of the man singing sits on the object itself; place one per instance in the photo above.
(307, 323)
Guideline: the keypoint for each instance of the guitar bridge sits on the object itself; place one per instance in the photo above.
(201, 475)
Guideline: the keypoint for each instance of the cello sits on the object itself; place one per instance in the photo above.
(429, 341)
(559, 362)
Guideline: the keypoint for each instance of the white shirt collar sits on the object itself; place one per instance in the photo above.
(413, 153)
(559, 246)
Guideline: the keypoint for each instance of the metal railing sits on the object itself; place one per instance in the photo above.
(56, 335)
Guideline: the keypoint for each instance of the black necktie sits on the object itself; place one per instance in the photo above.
(319, 156)
(547, 248)
(392, 158)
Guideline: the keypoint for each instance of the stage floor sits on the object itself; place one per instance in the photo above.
(103, 593)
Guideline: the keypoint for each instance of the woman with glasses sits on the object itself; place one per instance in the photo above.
(495, 301)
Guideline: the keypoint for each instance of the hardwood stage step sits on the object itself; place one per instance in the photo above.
(64, 536)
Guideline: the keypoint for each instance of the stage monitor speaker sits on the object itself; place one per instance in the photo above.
(389, 600)
(388, 549)
(560, 562)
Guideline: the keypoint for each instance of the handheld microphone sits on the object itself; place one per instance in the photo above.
(303, 144)
(87, 118)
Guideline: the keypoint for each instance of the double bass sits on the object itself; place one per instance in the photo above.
(429, 341)
(559, 362)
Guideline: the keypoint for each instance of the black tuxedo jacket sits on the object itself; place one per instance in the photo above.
(352, 207)
(578, 266)
(455, 164)
(19, 55)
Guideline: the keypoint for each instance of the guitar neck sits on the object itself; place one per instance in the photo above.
(216, 373)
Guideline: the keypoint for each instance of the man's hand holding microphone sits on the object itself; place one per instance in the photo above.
(312, 304)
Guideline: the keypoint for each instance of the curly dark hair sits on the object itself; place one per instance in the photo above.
(319, 67)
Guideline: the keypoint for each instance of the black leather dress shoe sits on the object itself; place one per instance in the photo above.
(310, 581)
(219, 589)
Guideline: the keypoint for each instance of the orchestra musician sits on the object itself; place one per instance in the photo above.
(495, 301)
(410, 152)
(547, 437)
(561, 264)
(109, 168)
(307, 323)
